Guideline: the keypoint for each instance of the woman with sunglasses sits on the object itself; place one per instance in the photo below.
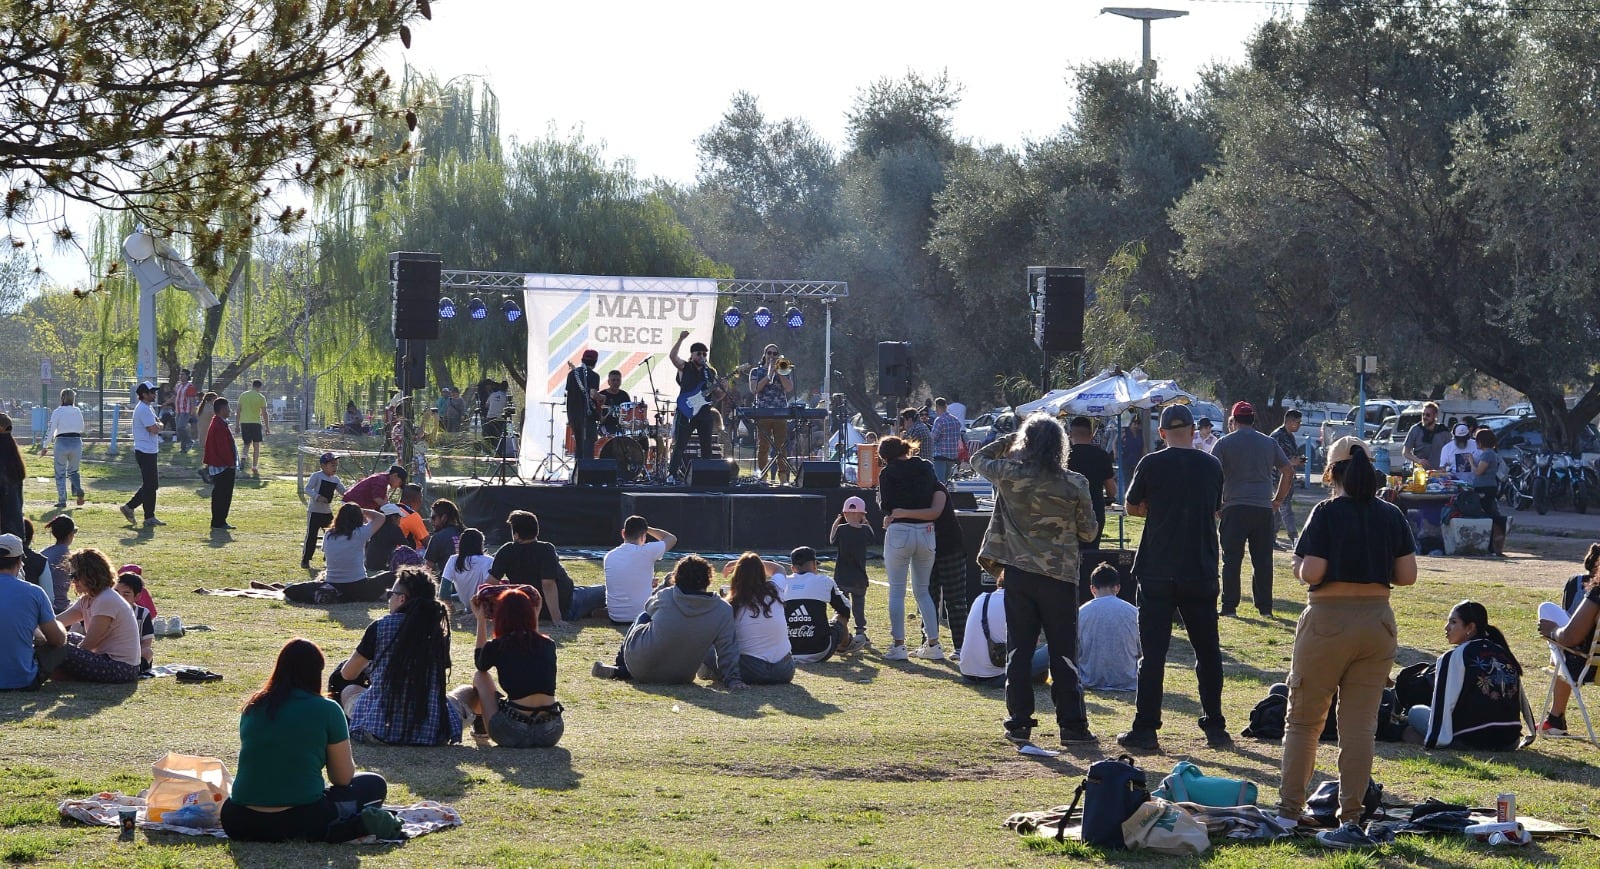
(108, 648)
(407, 652)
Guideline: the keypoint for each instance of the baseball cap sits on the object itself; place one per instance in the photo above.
(855, 505)
(1340, 451)
(1462, 430)
(1243, 408)
(590, 355)
(391, 510)
(130, 568)
(1204, 422)
(328, 457)
(1176, 416)
(144, 387)
(11, 545)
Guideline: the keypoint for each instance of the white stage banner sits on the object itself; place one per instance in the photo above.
(631, 322)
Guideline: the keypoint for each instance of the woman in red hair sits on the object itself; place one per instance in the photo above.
(523, 713)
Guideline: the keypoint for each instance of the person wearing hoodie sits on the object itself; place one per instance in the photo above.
(681, 623)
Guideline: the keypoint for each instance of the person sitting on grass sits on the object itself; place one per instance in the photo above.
(681, 623)
(142, 598)
(35, 567)
(760, 626)
(630, 569)
(1477, 689)
(128, 586)
(64, 530)
(1108, 635)
(977, 667)
(411, 520)
(108, 648)
(527, 560)
(468, 568)
(344, 548)
(288, 735)
(1573, 628)
(385, 539)
(445, 517)
(807, 595)
(404, 656)
(527, 714)
(32, 642)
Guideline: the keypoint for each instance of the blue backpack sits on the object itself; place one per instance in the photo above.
(1111, 792)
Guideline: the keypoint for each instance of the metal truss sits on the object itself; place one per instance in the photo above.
(454, 279)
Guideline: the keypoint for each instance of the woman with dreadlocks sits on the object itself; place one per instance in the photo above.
(404, 654)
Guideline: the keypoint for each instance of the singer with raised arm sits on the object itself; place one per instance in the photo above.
(583, 387)
(697, 381)
(772, 382)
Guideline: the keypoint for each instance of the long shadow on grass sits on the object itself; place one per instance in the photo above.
(545, 768)
(72, 699)
(791, 699)
(275, 854)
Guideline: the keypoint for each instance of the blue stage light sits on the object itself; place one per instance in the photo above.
(447, 308)
(793, 318)
(476, 309)
(762, 317)
(732, 317)
(512, 311)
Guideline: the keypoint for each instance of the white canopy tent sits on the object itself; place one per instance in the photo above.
(1107, 394)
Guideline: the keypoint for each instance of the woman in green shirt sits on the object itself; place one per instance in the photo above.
(288, 733)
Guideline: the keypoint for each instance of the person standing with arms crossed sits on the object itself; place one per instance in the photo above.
(146, 444)
(253, 424)
(1249, 459)
(222, 462)
(1177, 491)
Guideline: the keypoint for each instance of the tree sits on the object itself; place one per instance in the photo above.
(182, 112)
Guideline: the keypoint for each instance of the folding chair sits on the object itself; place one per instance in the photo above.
(1558, 661)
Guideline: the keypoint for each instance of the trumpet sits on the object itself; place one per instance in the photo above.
(784, 367)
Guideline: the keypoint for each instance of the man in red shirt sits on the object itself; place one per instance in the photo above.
(222, 461)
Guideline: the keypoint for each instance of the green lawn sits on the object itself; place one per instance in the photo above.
(859, 763)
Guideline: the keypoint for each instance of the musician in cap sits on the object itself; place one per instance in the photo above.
(771, 383)
(697, 389)
(583, 386)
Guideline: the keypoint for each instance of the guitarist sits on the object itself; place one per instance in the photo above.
(583, 389)
(696, 381)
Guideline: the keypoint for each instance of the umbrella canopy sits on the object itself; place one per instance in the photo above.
(1108, 394)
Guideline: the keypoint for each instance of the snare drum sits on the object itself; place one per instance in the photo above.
(632, 415)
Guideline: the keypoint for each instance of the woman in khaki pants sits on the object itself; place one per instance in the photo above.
(1353, 549)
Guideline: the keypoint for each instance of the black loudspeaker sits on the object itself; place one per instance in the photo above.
(595, 472)
(894, 368)
(962, 499)
(1057, 295)
(711, 472)
(414, 278)
(410, 364)
(1121, 559)
(821, 475)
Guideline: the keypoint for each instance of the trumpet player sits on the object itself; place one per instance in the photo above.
(772, 382)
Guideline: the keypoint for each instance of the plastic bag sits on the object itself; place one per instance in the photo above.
(188, 791)
(1165, 828)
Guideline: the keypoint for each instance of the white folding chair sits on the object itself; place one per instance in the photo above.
(1558, 662)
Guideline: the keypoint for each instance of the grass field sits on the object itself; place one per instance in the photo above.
(861, 762)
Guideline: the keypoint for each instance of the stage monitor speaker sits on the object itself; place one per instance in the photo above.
(894, 368)
(962, 499)
(821, 475)
(711, 472)
(410, 358)
(1121, 559)
(595, 472)
(1058, 296)
(415, 280)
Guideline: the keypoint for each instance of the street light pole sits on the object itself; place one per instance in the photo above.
(1145, 16)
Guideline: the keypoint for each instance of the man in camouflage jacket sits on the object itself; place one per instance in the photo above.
(1042, 512)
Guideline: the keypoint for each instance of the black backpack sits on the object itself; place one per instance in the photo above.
(1111, 792)
(1413, 685)
(1269, 716)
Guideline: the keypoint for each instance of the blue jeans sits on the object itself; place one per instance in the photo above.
(69, 454)
(1419, 717)
(753, 670)
(942, 468)
(585, 600)
(908, 551)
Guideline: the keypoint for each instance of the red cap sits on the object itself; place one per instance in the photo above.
(134, 569)
(1242, 408)
(590, 355)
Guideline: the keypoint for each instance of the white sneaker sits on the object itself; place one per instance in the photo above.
(930, 651)
(897, 652)
(860, 642)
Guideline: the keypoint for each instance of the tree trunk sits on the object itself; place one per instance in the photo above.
(208, 338)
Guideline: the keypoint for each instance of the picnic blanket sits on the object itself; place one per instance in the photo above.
(417, 819)
(260, 593)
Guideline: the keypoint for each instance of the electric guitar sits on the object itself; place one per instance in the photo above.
(711, 390)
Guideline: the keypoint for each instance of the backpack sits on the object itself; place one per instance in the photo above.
(1111, 792)
(1413, 685)
(1269, 716)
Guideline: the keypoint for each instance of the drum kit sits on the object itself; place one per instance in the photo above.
(639, 448)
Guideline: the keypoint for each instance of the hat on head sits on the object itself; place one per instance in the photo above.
(131, 568)
(1243, 408)
(802, 555)
(1462, 431)
(855, 505)
(1340, 451)
(328, 457)
(591, 355)
(10, 545)
(391, 510)
(142, 388)
(698, 347)
(1204, 422)
(1176, 416)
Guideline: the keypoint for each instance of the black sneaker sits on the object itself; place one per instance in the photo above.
(1218, 738)
(1140, 739)
(1020, 735)
(478, 727)
(1077, 736)
(1348, 837)
(1553, 725)
(1228, 611)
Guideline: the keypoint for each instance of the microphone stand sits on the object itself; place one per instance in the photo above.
(661, 417)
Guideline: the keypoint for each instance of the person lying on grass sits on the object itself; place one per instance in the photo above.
(526, 715)
(681, 623)
(288, 735)
(407, 652)
(1477, 693)
(1573, 629)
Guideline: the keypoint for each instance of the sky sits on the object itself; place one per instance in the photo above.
(647, 79)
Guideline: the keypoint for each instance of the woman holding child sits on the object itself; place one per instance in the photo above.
(407, 651)
(108, 648)
(288, 734)
(526, 715)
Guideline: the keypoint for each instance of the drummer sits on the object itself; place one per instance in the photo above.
(613, 395)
